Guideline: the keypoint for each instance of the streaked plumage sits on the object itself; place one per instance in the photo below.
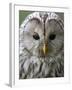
(41, 46)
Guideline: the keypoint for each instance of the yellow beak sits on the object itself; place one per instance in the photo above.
(45, 49)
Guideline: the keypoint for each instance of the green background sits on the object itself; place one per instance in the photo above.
(22, 15)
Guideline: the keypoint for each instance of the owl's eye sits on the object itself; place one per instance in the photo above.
(52, 36)
(36, 36)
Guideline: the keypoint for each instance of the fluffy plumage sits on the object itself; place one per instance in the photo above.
(37, 30)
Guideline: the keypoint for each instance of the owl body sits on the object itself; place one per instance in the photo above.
(41, 46)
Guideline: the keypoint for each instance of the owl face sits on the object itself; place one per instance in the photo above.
(41, 39)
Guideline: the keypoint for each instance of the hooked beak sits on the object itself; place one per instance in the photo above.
(45, 49)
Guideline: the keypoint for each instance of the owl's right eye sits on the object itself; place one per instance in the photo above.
(36, 36)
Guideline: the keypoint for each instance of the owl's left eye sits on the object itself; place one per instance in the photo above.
(52, 36)
(36, 36)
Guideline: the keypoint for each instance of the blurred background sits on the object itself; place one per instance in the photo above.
(22, 15)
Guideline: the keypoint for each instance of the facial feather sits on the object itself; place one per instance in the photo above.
(32, 61)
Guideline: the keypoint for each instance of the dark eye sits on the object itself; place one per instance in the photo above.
(52, 36)
(36, 36)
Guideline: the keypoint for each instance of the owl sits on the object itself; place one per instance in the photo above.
(41, 46)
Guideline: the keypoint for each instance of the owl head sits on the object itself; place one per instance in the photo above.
(42, 34)
(42, 37)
